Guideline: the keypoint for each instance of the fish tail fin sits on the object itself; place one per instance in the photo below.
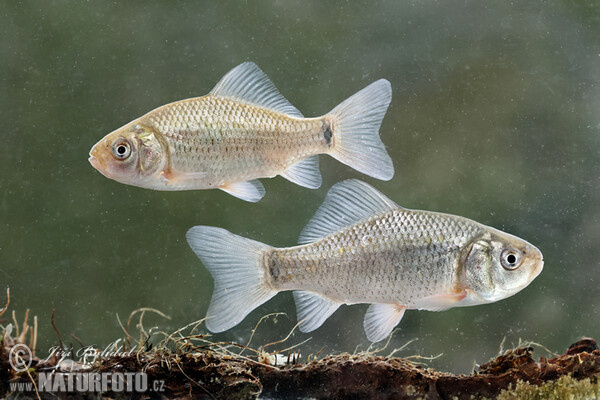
(238, 269)
(355, 132)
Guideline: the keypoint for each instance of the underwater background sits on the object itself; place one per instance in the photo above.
(495, 116)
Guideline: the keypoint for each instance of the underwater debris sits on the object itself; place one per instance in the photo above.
(192, 366)
(189, 365)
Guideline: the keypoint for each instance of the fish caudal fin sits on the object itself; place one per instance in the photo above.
(237, 267)
(356, 125)
(381, 319)
(305, 173)
(313, 309)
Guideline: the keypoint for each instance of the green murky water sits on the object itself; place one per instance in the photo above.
(495, 116)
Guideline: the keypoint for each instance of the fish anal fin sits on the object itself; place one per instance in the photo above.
(313, 309)
(304, 172)
(381, 319)
(251, 191)
(440, 302)
(248, 84)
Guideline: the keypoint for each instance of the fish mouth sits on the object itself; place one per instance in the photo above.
(97, 163)
(539, 266)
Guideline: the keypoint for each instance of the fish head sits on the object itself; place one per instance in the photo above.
(133, 155)
(497, 265)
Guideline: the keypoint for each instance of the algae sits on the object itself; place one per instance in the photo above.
(565, 387)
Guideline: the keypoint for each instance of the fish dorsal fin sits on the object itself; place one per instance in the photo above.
(381, 319)
(313, 309)
(346, 203)
(249, 84)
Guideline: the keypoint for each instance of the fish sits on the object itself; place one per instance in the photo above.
(243, 130)
(361, 247)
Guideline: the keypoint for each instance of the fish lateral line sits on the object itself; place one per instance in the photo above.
(395, 271)
(244, 129)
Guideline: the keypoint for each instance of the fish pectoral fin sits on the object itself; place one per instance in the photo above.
(193, 175)
(381, 319)
(304, 173)
(251, 191)
(440, 302)
(170, 178)
(313, 309)
(248, 84)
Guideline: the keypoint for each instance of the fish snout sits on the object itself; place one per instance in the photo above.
(98, 156)
(535, 260)
(96, 161)
(537, 268)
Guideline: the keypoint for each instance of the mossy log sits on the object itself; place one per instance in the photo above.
(209, 374)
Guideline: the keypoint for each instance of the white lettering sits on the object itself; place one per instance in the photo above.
(59, 383)
(118, 382)
(141, 382)
(44, 383)
(94, 384)
(82, 382)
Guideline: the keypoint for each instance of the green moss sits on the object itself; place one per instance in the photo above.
(565, 387)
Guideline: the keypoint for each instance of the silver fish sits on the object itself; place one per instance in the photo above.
(361, 247)
(242, 130)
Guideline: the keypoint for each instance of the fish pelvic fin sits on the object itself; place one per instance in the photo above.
(313, 309)
(381, 319)
(440, 302)
(251, 191)
(305, 173)
(237, 267)
(355, 124)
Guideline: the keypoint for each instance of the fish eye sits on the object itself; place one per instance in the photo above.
(511, 259)
(121, 149)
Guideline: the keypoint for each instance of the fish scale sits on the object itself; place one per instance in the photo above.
(247, 141)
(243, 130)
(361, 247)
(408, 251)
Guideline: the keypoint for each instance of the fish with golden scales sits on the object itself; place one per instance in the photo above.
(361, 247)
(244, 129)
